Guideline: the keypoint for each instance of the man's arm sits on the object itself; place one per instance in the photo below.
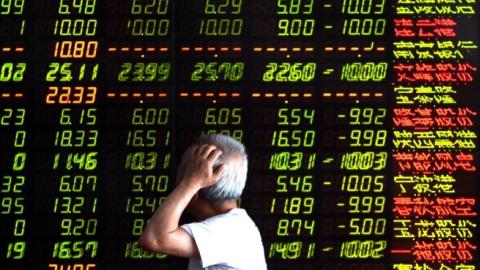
(162, 233)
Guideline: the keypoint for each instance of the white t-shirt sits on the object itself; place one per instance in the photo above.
(227, 241)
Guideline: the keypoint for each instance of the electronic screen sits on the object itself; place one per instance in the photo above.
(359, 118)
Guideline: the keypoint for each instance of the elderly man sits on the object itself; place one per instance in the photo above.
(210, 180)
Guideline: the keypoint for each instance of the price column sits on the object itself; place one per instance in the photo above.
(211, 69)
(138, 127)
(354, 138)
(67, 140)
(435, 132)
(14, 158)
(282, 190)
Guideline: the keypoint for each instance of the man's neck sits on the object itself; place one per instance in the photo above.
(217, 209)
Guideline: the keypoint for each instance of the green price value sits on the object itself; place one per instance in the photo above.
(289, 72)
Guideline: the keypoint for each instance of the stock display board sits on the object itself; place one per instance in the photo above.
(359, 116)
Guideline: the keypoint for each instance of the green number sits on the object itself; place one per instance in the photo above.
(12, 184)
(367, 116)
(80, 6)
(286, 161)
(299, 183)
(19, 227)
(363, 72)
(138, 225)
(11, 7)
(210, 8)
(77, 183)
(366, 204)
(223, 116)
(368, 138)
(150, 116)
(296, 27)
(16, 250)
(289, 72)
(159, 7)
(75, 27)
(11, 205)
(9, 72)
(293, 138)
(364, 27)
(362, 183)
(356, 7)
(221, 27)
(367, 226)
(8, 114)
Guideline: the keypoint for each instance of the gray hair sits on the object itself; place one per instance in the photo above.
(232, 182)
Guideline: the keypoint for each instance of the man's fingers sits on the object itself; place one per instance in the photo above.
(213, 155)
(207, 150)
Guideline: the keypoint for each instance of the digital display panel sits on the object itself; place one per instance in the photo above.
(359, 118)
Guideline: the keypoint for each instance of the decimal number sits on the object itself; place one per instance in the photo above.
(75, 27)
(78, 183)
(12, 117)
(289, 72)
(150, 116)
(368, 138)
(144, 72)
(362, 183)
(363, 249)
(294, 183)
(211, 72)
(293, 205)
(71, 95)
(149, 27)
(146, 161)
(295, 227)
(293, 7)
(363, 161)
(364, 72)
(74, 205)
(295, 116)
(293, 138)
(296, 27)
(75, 249)
(81, 117)
(367, 226)
(364, 27)
(75, 49)
(75, 161)
(366, 205)
(147, 138)
(367, 116)
(223, 116)
(141, 205)
(64, 72)
(150, 183)
(221, 7)
(149, 7)
(221, 27)
(86, 7)
(76, 138)
(78, 227)
(356, 7)
(133, 251)
(12, 72)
